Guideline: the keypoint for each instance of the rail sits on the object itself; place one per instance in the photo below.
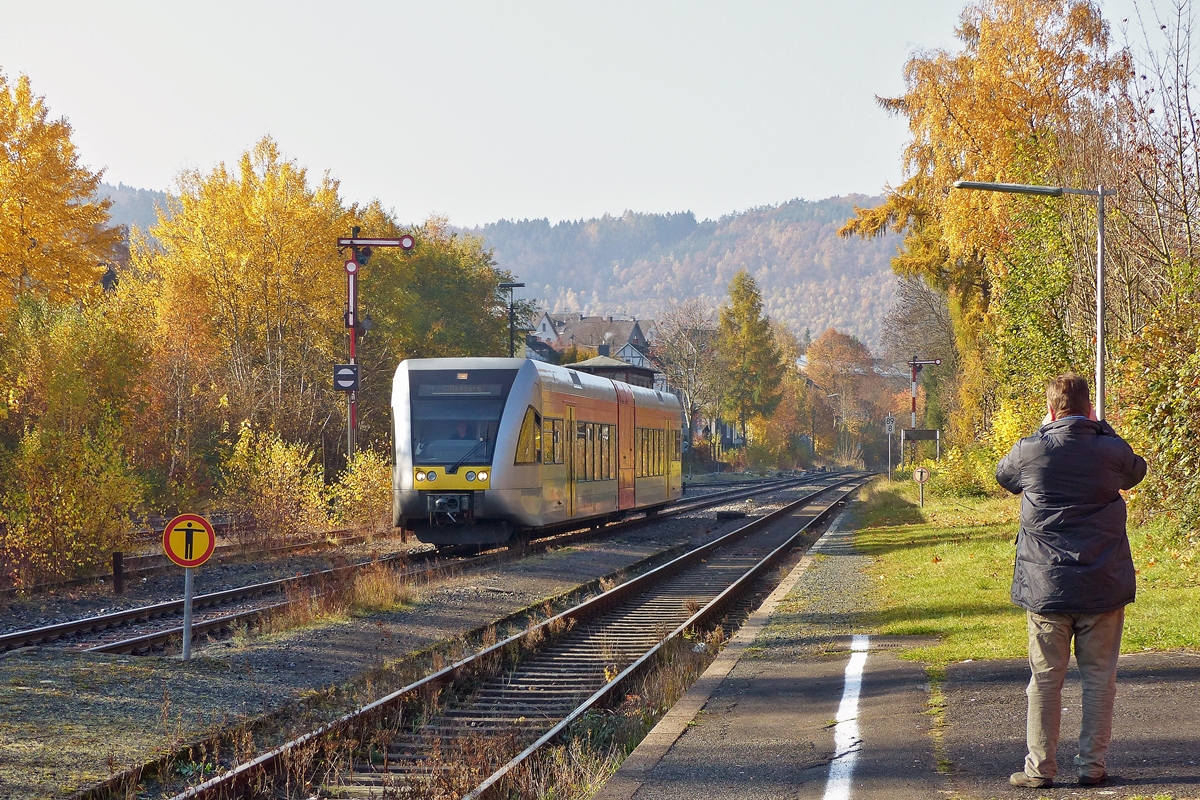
(360, 720)
(424, 564)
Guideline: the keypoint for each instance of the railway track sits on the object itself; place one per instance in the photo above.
(155, 627)
(503, 710)
(157, 563)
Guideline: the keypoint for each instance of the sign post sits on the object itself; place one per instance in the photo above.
(360, 253)
(921, 475)
(188, 540)
(890, 423)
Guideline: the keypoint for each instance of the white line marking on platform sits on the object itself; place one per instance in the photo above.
(846, 741)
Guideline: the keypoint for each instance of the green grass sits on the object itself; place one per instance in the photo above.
(945, 570)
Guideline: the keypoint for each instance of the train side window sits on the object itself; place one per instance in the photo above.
(609, 468)
(529, 442)
(591, 451)
(552, 441)
(581, 451)
(604, 454)
(677, 451)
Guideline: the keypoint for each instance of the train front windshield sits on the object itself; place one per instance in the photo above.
(456, 414)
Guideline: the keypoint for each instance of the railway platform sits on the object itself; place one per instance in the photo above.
(804, 704)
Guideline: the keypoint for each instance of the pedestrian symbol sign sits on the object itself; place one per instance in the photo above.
(189, 540)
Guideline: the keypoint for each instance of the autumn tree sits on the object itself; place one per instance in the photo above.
(73, 375)
(841, 365)
(684, 351)
(249, 250)
(919, 323)
(55, 238)
(1006, 106)
(749, 357)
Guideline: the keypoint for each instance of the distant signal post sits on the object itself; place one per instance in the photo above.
(346, 376)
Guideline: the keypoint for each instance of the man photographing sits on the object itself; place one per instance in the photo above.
(1074, 571)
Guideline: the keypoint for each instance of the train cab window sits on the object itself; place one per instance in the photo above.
(529, 442)
(455, 415)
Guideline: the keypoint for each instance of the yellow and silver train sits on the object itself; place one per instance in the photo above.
(486, 448)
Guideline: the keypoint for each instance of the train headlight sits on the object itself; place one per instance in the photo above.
(470, 476)
(420, 477)
(483, 475)
(431, 476)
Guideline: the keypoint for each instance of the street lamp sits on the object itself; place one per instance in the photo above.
(512, 334)
(1058, 191)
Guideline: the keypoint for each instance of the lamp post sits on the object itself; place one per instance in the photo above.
(512, 319)
(1058, 191)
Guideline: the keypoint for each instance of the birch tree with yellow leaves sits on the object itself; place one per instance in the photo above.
(247, 255)
(1031, 81)
(55, 238)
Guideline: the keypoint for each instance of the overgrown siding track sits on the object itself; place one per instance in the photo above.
(154, 626)
(591, 651)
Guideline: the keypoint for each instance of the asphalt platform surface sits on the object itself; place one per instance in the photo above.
(763, 721)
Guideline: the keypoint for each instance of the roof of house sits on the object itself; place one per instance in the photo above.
(617, 369)
(601, 361)
(594, 331)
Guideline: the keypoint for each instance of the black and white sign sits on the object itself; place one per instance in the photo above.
(345, 377)
(890, 422)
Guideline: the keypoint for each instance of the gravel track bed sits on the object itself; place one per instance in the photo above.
(68, 719)
(75, 602)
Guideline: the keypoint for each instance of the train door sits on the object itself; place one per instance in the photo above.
(569, 457)
(667, 448)
(626, 493)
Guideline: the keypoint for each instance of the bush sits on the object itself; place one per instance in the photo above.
(964, 472)
(67, 507)
(274, 488)
(362, 495)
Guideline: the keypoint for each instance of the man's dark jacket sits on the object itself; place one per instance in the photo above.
(1072, 550)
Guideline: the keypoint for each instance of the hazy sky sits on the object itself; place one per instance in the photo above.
(482, 110)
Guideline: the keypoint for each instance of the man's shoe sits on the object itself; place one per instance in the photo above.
(1029, 782)
(1089, 780)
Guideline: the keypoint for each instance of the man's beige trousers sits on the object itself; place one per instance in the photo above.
(1097, 645)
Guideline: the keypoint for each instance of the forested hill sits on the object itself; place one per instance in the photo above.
(632, 264)
(133, 207)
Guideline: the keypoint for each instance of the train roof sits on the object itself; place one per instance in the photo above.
(562, 378)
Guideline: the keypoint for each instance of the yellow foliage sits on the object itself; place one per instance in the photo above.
(1028, 76)
(1011, 422)
(363, 493)
(54, 239)
(249, 254)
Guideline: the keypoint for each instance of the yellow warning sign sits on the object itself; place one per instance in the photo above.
(189, 540)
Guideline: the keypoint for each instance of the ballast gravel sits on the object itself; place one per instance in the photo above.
(69, 720)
